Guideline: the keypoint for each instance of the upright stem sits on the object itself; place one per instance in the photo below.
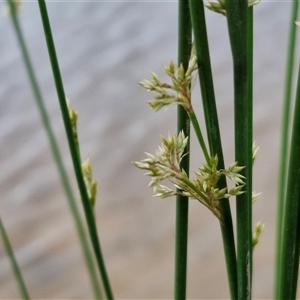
(237, 17)
(213, 133)
(250, 125)
(15, 267)
(289, 259)
(55, 151)
(199, 135)
(285, 138)
(73, 150)
(183, 123)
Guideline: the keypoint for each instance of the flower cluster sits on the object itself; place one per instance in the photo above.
(257, 232)
(204, 188)
(166, 164)
(90, 183)
(178, 92)
(86, 167)
(254, 152)
(73, 114)
(220, 6)
(17, 6)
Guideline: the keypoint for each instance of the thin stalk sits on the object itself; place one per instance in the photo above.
(55, 152)
(214, 137)
(237, 18)
(197, 191)
(199, 135)
(183, 123)
(285, 129)
(73, 150)
(250, 103)
(290, 239)
(13, 261)
(296, 265)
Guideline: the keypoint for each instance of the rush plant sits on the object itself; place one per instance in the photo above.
(215, 183)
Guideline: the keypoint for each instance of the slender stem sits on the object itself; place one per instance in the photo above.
(15, 267)
(73, 150)
(290, 238)
(237, 18)
(199, 135)
(56, 154)
(213, 133)
(250, 107)
(285, 138)
(197, 191)
(183, 123)
(296, 263)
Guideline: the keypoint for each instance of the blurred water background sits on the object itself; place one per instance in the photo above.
(104, 48)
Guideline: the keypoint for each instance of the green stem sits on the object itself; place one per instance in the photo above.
(199, 135)
(296, 263)
(188, 183)
(16, 269)
(213, 133)
(55, 151)
(285, 138)
(74, 151)
(237, 17)
(250, 110)
(183, 123)
(290, 239)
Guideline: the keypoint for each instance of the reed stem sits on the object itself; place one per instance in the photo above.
(237, 18)
(183, 123)
(199, 135)
(74, 151)
(55, 152)
(14, 263)
(285, 130)
(289, 259)
(213, 133)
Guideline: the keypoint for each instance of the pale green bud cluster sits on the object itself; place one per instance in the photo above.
(17, 6)
(90, 183)
(220, 6)
(254, 152)
(166, 165)
(86, 167)
(257, 232)
(73, 119)
(179, 92)
(255, 196)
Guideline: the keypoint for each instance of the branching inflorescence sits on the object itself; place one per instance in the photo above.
(180, 85)
(166, 164)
